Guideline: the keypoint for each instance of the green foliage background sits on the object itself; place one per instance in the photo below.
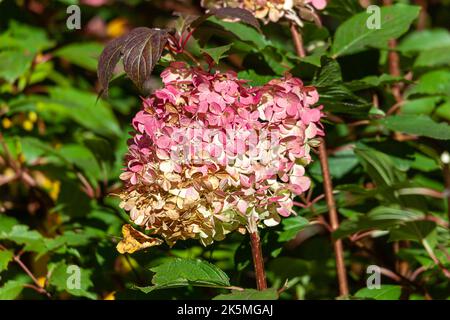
(62, 154)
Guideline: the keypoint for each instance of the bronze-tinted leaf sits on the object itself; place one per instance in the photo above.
(140, 53)
(237, 13)
(108, 60)
(243, 15)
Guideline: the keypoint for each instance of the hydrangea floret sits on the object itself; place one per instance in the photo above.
(211, 154)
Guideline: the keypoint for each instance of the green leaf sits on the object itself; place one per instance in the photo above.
(432, 83)
(7, 223)
(83, 158)
(419, 125)
(425, 39)
(6, 256)
(343, 9)
(329, 74)
(382, 169)
(277, 60)
(341, 163)
(84, 108)
(338, 98)
(424, 105)
(84, 54)
(249, 294)
(372, 82)
(12, 289)
(443, 111)
(72, 201)
(65, 278)
(70, 239)
(413, 230)
(254, 78)
(183, 272)
(354, 36)
(13, 64)
(21, 234)
(217, 53)
(386, 292)
(242, 31)
(313, 59)
(433, 57)
(33, 148)
(25, 37)
(380, 218)
(291, 226)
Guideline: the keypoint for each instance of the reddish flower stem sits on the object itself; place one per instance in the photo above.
(298, 41)
(396, 89)
(394, 64)
(328, 189)
(446, 173)
(258, 261)
(422, 21)
(334, 220)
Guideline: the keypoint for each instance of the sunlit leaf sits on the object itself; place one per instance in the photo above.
(133, 240)
(184, 272)
(354, 36)
(385, 292)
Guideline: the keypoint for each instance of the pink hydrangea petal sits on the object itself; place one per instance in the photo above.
(319, 4)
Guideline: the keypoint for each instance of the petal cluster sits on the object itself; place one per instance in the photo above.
(209, 152)
(274, 10)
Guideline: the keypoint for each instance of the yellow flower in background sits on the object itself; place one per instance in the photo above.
(26, 121)
(32, 116)
(6, 123)
(41, 281)
(110, 296)
(53, 187)
(117, 27)
(27, 125)
(8, 173)
(21, 158)
(54, 190)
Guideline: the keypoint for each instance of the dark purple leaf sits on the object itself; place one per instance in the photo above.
(140, 50)
(108, 60)
(140, 53)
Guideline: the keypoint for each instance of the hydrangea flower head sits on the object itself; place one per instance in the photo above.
(209, 153)
(274, 10)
